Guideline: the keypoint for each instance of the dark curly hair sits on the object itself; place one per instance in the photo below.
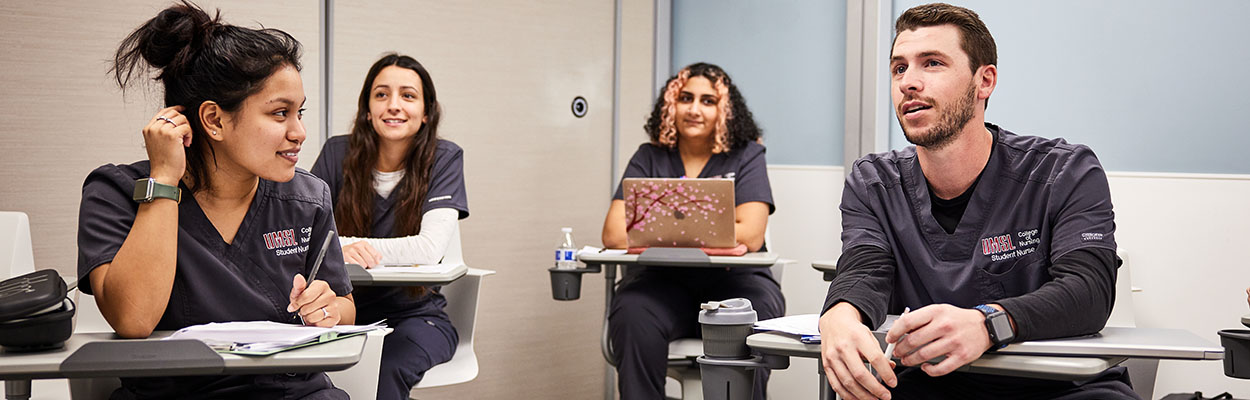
(736, 126)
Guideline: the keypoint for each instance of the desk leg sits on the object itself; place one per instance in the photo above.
(17, 390)
(826, 391)
(609, 382)
(609, 373)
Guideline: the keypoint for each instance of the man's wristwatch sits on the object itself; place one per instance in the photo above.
(148, 189)
(998, 324)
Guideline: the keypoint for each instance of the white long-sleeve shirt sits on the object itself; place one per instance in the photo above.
(427, 247)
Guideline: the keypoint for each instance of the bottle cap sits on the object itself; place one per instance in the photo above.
(566, 229)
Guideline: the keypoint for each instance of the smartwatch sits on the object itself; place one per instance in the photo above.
(998, 324)
(148, 189)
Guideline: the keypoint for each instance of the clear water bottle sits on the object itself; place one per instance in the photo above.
(566, 252)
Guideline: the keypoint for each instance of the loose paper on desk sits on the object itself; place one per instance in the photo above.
(263, 335)
(596, 250)
(423, 269)
(802, 324)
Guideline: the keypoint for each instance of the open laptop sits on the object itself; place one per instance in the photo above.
(669, 212)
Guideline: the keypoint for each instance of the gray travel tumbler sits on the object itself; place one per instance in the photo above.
(724, 366)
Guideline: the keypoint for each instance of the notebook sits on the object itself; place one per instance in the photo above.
(260, 338)
(664, 212)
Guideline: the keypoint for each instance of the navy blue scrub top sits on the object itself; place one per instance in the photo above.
(745, 165)
(247, 280)
(1037, 200)
(446, 190)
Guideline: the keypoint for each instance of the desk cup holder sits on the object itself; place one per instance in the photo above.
(1236, 344)
(727, 381)
(566, 284)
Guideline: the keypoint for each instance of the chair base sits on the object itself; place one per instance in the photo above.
(691, 381)
(683, 368)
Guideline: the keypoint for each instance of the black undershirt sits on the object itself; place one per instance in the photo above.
(949, 212)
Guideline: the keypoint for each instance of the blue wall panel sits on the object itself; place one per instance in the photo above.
(789, 60)
(1150, 85)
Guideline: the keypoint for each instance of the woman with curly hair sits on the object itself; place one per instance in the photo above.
(700, 128)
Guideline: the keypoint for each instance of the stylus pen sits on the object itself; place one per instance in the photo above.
(321, 256)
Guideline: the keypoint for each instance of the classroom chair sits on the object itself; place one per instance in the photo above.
(361, 380)
(462, 300)
(17, 256)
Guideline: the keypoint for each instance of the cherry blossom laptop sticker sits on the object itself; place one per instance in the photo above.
(667, 212)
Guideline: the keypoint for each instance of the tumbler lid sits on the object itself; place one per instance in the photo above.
(735, 311)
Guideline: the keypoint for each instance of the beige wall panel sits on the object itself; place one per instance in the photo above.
(61, 116)
(506, 74)
(637, 64)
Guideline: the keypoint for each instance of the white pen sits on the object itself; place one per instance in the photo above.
(889, 348)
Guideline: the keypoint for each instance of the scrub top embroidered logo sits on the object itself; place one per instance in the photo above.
(1008, 246)
(283, 242)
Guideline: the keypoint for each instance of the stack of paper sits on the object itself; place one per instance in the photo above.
(413, 268)
(595, 250)
(264, 336)
(803, 324)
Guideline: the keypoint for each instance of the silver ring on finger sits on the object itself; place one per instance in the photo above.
(325, 312)
(163, 118)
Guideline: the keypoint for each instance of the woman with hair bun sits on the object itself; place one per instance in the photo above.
(398, 191)
(700, 128)
(217, 224)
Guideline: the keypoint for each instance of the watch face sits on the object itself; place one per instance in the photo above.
(1002, 327)
(143, 190)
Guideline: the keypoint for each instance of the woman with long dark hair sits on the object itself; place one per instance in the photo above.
(700, 128)
(398, 193)
(217, 224)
